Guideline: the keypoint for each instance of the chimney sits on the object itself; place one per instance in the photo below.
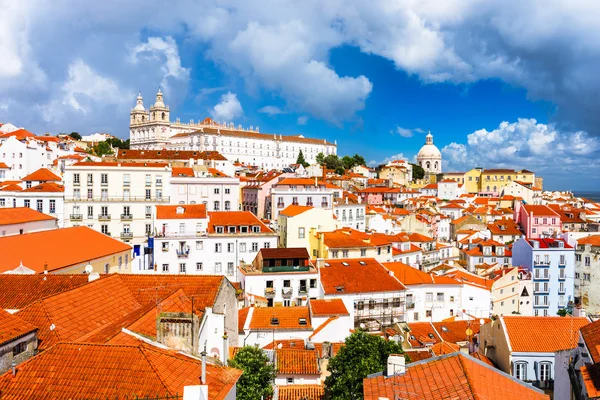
(14, 368)
(396, 365)
(464, 350)
(45, 268)
(225, 348)
(203, 376)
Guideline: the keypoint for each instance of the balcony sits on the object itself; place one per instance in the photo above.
(541, 277)
(76, 217)
(148, 215)
(126, 235)
(104, 217)
(324, 204)
(541, 263)
(269, 292)
(280, 205)
(120, 199)
(541, 291)
(287, 291)
(302, 291)
(562, 277)
(183, 253)
(126, 217)
(126, 184)
(104, 183)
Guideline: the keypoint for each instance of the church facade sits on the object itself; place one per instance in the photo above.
(430, 157)
(153, 129)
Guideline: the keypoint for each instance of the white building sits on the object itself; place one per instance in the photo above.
(153, 129)
(587, 273)
(117, 199)
(21, 220)
(205, 186)
(552, 266)
(448, 189)
(299, 191)
(263, 325)
(190, 240)
(350, 211)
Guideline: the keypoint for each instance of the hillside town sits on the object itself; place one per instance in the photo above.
(158, 269)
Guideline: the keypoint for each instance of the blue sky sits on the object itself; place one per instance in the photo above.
(499, 85)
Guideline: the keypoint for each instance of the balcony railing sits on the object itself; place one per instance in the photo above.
(183, 253)
(159, 199)
(126, 235)
(541, 263)
(302, 290)
(104, 184)
(76, 217)
(280, 205)
(269, 293)
(542, 277)
(324, 204)
(287, 291)
(103, 217)
(126, 217)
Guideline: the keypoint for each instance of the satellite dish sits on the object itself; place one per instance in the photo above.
(279, 346)
(401, 339)
(482, 321)
(89, 268)
(52, 327)
(362, 326)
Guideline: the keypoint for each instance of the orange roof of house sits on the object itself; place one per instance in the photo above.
(84, 245)
(594, 240)
(293, 210)
(297, 362)
(288, 318)
(42, 175)
(591, 336)
(442, 348)
(300, 182)
(21, 215)
(418, 355)
(128, 154)
(85, 370)
(422, 334)
(20, 134)
(591, 379)
(181, 211)
(539, 210)
(182, 171)
(18, 291)
(235, 218)
(452, 376)
(120, 164)
(46, 187)
(297, 344)
(455, 331)
(412, 276)
(530, 334)
(4, 166)
(367, 275)
(327, 307)
(242, 316)
(13, 327)
(352, 238)
(306, 392)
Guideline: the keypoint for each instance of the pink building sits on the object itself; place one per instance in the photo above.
(536, 221)
(257, 190)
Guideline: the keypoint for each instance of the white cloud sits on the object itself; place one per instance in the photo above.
(165, 49)
(527, 144)
(406, 132)
(82, 92)
(302, 120)
(271, 110)
(228, 109)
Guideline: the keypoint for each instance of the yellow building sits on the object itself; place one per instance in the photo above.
(492, 181)
(396, 174)
(295, 224)
(458, 177)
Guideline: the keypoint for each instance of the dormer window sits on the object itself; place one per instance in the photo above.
(274, 321)
(487, 250)
(219, 229)
(302, 321)
(256, 229)
(500, 251)
(180, 210)
(243, 229)
(231, 229)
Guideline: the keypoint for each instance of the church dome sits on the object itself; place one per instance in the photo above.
(429, 150)
(139, 105)
(159, 100)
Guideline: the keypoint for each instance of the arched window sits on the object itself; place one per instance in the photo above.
(428, 165)
(163, 116)
(143, 118)
(436, 165)
(520, 370)
(106, 268)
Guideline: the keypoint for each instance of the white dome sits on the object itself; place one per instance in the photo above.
(139, 106)
(429, 151)
(159, 100)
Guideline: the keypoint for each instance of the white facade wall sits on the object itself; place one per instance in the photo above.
(256, 284)
(219, 194)
(351, 216)
(298, 379)
(129, 197)
(442, 301)
(336, 330)
(261, 338)
(211, 333)
(27, 227)
(52, 203)
(443, 229)
(296, 231)
(281, 197)
(448, 190)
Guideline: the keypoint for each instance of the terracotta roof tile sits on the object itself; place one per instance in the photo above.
(242, 316)
(182, 171)
(13, 327)
(539, 210)
(113, 371)
(301, 392)
(293, 210)
(297, 344)
(328, 307)
(594, 240)
(591, 379)
(418, 355)
(530, 334)
(42, 175)
(298, 362)
(280, 318)
(235, 218)
(120, 164)
(188, 211)
(4, 166)
(83, 243)
(455, 331)
(343, 276)
(46, 187)
(184, 155)
(453, 376)
(591, 336)
(21, 215)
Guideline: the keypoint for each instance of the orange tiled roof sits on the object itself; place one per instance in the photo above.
(293, 210)
(242, 316)
(328, 307)
(46, 187)
(418, 355)
(539, 210)
(343, 276)
(19, 134)
(21, 215)
(591, 379)
(85, 370)
(297, 362)
(288, 318)
(591, 336)
(235, 218)
(128, 154)
(42, 175)
(455, 331)
(13, 327)
(422, 334)
(189, 211)
(297, 344)
(84, 244)
(442, 348)
(120, 164)
(304, 392)
(182, 171)
(594, 240)
(453, 376)
(18, 291)
(4, 166)
(530, 334)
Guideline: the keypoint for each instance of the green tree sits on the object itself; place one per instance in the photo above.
(118, 143)
(332, 161)
(75, 135)
(102, 149)
(348, 162)
(320, 158)
(418, 171)
(362, 354)
(359, 160)
(300, 160)
(257, 379)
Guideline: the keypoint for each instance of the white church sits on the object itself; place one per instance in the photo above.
(153, 129)
(430, 157)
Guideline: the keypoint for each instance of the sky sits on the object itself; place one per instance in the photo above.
(498, 84)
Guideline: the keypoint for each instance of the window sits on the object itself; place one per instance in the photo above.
(440, 297)
(148, 211)
(334, 254)
(90, 211)
(230, 247)
(545, 371)
(255, 246)
(104, 194)
(218, 267)
(218, 247)
(159, 194)
(344, 253)
(521, 371)
(227, 205)
(363, 252)
(148, 194)
(578, 257)
(40, 205)
(290, 381)
(428, 297)
(301, 233)
(76, 179)
(19, 348)
(165, 268)
(587, 261)
(76, 194)
(182, 268)
(266, 245)
(428, 313)
(216, 206)
(199, 245)
(313, 283)
(104, 229)
(216, 191)
(148, 180)
(104, 179)
(242, 247)
(229, 268)
(90, 179)
(227, 191)
(90, 194)
(158, 180)
(126, 180)
(27, 203)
